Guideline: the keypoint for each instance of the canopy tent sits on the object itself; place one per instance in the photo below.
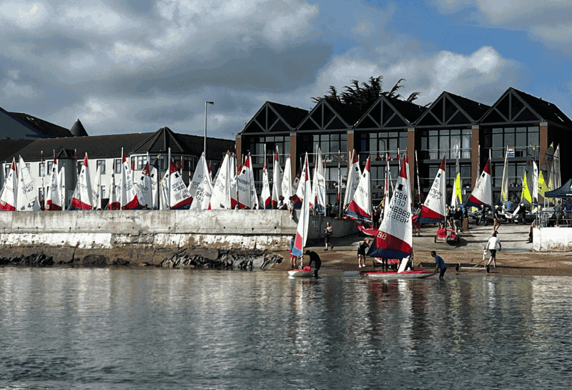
(563, 192)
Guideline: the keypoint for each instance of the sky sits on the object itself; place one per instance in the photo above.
(133, 66)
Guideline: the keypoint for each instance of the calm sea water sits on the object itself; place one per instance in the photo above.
(167, 329)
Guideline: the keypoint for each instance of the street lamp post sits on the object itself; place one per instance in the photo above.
(205, 145)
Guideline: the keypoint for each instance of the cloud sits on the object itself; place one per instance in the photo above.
(482, 75)
(547, 21)
(23, 14)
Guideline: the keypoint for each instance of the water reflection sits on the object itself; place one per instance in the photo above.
(153, 328)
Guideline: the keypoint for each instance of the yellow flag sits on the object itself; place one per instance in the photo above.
(525, 190)
(458, 192)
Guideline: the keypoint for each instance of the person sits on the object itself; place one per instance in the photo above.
(290, 206)
(510, 206)
(558, 212)
(362, 246)
(532, 226)
(328, 230)
(314, 258)
(441, 266)
(458, 218)
(522, 212)
(492, 246)
(292, 257)
(281, 205)
(496, 218)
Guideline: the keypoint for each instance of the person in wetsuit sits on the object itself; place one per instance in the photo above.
(314, 258)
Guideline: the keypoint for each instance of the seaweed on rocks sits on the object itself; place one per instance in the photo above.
(227, 259)
(33, 260)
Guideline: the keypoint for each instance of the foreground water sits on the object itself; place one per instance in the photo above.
(154, 328)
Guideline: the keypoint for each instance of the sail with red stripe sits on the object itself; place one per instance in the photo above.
(83, 197)
(53, 196)
(360, 206)
(434, 209)
(482, 194)
(8, 197)
(394, 239)
(127, 193)
(304, 218)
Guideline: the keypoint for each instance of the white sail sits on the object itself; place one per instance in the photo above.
(360, 207)
(504, 182)
(304, 218)
(395, 236)
(245, 181)
(482, 193)
(155, 187)
(9, 190)
(53, 195)
(434, 209)
(164, 192)
(145, 188)
(127, 192)
(96, 189)
(276, 181)
(266, 197)
(82, 198)
(201, 186)
(353, 179)
(233, 182)
(63, 188)
(179, 196)
(318, 200)
(220, 199)
(27, 198)
(534, 182)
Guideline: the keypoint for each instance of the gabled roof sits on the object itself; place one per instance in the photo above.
(40, 127)
(160, 142)
(331, 115)
(109, 146)
(275, 117)
(103, 146)
(515, 107)
(452, 110)
(390, 113)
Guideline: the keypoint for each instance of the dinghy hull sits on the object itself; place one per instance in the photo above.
(398, 275)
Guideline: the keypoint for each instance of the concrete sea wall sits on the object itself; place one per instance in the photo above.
(151, 236)
(552, 239)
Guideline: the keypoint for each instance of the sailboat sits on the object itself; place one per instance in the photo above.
(482, 193)
(395, 237)
(303, 222)
(434, 208)
(360, 206)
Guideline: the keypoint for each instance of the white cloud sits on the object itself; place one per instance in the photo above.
(482, 75)
(96, 19)
(202, 24)
(13, 90)
(125, 52)
(548, 20)
(24, 15)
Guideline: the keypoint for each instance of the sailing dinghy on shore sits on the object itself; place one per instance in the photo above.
(395, 237)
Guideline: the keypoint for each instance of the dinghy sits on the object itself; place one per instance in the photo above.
(395, 237)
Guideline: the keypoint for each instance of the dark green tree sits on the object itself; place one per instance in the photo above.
(363, 95)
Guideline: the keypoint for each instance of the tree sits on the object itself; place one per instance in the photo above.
(365, 94)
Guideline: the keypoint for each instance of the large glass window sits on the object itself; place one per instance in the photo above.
(259, 146)
(455, 143)
(523, 140)
(329, 144)
(378, 144)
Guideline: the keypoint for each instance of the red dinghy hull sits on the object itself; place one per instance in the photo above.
(401, 275)
(305, 272)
